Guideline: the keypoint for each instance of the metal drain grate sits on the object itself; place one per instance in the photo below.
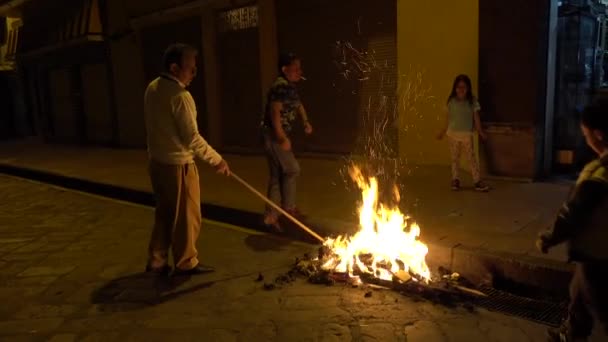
(544, 312)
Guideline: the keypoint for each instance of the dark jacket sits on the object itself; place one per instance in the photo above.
(582, 221)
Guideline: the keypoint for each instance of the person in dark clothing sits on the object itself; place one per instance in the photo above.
(283, 106)
(582, 222)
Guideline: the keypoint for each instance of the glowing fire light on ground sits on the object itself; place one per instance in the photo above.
(386, 245)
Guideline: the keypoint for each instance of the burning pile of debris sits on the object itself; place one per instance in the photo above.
(386, 252)
(449, 289)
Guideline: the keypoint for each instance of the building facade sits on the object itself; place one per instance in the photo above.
(378, 73)
(13, 120)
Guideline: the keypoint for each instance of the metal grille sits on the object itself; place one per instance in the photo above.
(544, 312)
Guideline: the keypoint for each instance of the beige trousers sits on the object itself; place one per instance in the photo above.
(177, 219)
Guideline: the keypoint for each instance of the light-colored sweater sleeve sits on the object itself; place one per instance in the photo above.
(184, 111)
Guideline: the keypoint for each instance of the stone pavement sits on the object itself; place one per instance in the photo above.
(504, 220)
(70, 270)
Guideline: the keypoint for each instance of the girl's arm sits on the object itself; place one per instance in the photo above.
(444, 128)
(478, 126)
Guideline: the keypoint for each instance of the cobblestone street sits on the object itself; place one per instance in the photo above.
(71, 270)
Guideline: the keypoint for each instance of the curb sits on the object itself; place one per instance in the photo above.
(514, 271)
(213, 212)
(526, 275)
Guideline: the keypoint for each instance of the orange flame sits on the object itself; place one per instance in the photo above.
(384, 238)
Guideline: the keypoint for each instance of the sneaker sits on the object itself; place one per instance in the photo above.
(272, 221)
(198, 269)
(455, 185)
(481, 187)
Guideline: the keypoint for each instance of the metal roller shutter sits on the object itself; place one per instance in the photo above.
(317, 30)
(66, 103)
(239, 64)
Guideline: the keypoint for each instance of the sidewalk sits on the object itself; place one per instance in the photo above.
(506, 220)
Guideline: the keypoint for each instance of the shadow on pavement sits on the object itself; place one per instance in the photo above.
(264, 243)
(293, 231)
(141, 290)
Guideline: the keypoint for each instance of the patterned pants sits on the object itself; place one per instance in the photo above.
(463, 143)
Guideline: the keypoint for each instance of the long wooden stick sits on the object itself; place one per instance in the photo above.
(470, 291)
(278, 208)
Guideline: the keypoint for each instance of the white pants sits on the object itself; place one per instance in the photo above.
(463, 142)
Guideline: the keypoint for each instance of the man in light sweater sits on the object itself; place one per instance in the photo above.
(173, 143)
